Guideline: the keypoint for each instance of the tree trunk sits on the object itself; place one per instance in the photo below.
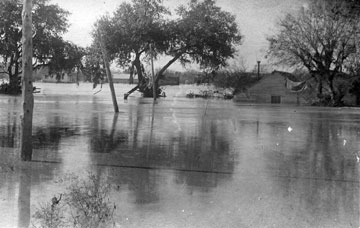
(154, 86)
(130, 92)
(27, 87)
(158, 75)
(139, 70)
(320, 88)
(108, 73)
(332, 90)
(131, 79)
(336, 96)
(142, 84)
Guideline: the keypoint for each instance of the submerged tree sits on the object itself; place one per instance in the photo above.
(49, 23)
(128, 34)
(320, 39)
(201, 33)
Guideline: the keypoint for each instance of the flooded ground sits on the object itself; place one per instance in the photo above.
(185, 162)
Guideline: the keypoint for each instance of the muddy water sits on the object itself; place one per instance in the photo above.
(186, 162)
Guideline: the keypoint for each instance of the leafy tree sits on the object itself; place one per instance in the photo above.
(131, 30)
(66, 57)
(93, 67)
(49, 23)
(319, 39)
(202, 33)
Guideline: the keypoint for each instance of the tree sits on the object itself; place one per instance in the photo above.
(93, 68)
(129, 33)
(66, 56)
(49, 23)
(320, 39)
(346, 8)
(202, 33)
(350, 9)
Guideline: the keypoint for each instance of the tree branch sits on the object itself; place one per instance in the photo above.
(176, 57)
(4, 72)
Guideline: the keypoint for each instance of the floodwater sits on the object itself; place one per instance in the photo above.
(185, 162)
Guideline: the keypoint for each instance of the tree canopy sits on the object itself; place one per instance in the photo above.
(49, 24)
(204, 34)
(65, 56)
(320, 39)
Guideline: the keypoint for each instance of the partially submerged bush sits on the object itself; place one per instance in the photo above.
(51, 215)
(89, 203)
(84, 204)
(7, 88)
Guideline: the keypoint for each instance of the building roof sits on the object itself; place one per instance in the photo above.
(287, 75)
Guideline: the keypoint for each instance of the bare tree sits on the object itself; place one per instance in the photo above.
(318, 38)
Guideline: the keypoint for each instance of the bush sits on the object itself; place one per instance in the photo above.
(7, 88)
(237, 80)
(85, 204)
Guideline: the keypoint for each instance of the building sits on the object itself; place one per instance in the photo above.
(275, 88)
(123, 78)
(43, 75)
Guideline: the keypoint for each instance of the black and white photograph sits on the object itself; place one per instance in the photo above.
(179, 113)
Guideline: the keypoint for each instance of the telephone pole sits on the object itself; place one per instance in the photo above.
(27, 86)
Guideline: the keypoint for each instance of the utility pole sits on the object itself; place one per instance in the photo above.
(152, 72)
(27, 86)
(108, 72)
(258, 73)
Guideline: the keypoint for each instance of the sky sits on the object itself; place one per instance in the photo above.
(255, 18)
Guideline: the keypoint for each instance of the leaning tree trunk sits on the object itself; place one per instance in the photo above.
(141, 79)
(27, 87)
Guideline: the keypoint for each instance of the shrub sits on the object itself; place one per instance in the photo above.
(84, 204)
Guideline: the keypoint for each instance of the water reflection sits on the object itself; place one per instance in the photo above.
(8, 132)
(316, 171)
(24, 198)
(102, 140)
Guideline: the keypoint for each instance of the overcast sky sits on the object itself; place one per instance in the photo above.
(256, 19)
